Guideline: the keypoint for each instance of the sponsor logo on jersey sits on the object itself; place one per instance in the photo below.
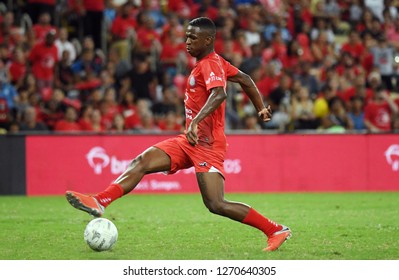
(192, 81)
(212, 78)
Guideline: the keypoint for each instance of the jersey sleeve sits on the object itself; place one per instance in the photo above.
(231, 70)
(213, 74)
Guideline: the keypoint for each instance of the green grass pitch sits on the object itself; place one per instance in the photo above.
(326, 226)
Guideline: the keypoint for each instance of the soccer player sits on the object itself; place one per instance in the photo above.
(203, 145)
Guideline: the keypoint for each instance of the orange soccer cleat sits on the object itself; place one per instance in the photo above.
(85, 203)
(278, 238)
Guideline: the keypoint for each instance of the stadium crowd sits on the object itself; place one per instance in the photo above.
(121, 66)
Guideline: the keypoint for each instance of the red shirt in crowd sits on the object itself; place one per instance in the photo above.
(355, 50)
(121, 26)
(171, 51)
(378, 115)
(40, 31)
(94, 5)
(267, 84)
(131, 115)
(350, 92)
(147, 36)
(17, 71)
(163, 125)
(85, 125)
(43, 59)
(64, 125)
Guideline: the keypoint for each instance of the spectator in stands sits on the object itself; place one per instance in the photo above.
(85, 119)
(322, 25)
(5, 117)
(277, 23)
(170, 102)
(69, 122)
(63, 44)
(355, 12)
(379, 112)
(122, 66)
(354, 46)
(171, 123)
(321, 48)
(43, 58)
(53, 110)
(92, 12)
(143, 80)
(356, 113)
(302, 110)
(7, 90)
(279, 100)
(21, 104)
(375, 30)
(17, 67)
(252, 34)
(308, 79)
(383, 57)
(96, 121)
(129, 110)
(358, 89)
(38, 7)
(148, 124)
(251, 123)
(268, 79)
(172, 22)
(337, 117)
(392, 33)
(30, 123)
(64, 76)
(43, 27)
(87, 67)
(123, 31)
(148, 39)
(173, 55)
(365, 20)
(293, 35)
(11, 34)
(118, 124)
(109, 107)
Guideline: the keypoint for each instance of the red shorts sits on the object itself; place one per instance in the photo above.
(183, 155)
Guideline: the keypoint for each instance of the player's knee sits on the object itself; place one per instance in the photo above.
(216, 207)
(138, 164)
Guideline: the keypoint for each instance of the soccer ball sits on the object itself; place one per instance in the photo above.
(100, 234)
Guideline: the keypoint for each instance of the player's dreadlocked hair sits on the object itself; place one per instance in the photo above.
(204, 23)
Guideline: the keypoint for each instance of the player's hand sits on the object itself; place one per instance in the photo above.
(191, 133)
(265, 114)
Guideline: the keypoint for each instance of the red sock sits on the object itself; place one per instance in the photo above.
(260, 222)
(113, 192)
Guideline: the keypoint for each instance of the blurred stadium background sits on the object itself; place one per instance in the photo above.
(86, 85)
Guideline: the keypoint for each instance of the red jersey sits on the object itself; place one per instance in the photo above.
(121, 26)
(63, 125)
(379, 115)
(210, 72)
(17, 70)
(40, 31)
(351, 92)
(43, 60)
(94, 5)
